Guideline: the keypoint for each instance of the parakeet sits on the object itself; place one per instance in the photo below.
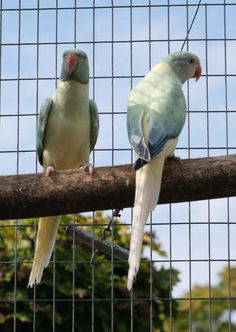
(66, 134)
(155, 117)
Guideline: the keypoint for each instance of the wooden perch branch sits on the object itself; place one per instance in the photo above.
(105, 247)
(72, 191)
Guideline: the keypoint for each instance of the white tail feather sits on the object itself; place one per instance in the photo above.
(148, 185)
(46, 237)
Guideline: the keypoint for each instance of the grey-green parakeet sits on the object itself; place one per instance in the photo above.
(66, 134)
(156, 116)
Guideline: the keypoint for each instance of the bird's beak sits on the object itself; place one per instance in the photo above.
(71, 62)
(198, 72)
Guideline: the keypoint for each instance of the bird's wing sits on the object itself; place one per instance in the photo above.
(94, 122)
(41, 128)
(150, 130)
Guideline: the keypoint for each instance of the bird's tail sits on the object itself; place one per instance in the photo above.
(46, 237)
(148, 185)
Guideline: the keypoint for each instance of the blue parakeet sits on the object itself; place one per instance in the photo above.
(155, 118)
(66, 134)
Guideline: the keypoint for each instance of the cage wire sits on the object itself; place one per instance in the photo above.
(192, 286)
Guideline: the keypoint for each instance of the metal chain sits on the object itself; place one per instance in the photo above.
(106, 232)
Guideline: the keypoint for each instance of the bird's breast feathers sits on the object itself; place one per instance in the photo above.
(67, 141)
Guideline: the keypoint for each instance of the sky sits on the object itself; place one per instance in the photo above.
(122, 45)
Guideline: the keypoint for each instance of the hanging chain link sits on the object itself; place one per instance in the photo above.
(106, 232)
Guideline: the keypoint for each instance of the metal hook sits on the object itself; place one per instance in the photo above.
(106, 232)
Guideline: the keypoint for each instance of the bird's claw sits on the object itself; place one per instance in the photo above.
(87, 168)
(174, 158)
(50, 170)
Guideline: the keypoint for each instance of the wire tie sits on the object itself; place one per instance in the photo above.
(94, 255)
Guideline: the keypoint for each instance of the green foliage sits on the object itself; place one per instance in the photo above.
(214, 312)
(91, 287)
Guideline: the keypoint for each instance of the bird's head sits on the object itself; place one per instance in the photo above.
(186, 65)
(75, 66)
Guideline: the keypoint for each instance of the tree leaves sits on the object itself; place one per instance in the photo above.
(103, 284)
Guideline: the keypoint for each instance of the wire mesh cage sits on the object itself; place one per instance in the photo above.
(187, 276)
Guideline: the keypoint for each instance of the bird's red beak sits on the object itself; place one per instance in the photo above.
(198, 72)
(71, 62)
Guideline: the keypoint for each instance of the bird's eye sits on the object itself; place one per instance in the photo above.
(191, 61)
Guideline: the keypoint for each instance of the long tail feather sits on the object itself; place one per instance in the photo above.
(46, 237)
(148, 185)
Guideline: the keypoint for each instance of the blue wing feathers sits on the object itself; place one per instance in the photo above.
(135, 132)
(94, 120)
(41, 127)
(161, 129)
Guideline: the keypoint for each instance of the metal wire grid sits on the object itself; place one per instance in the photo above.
(209, 129)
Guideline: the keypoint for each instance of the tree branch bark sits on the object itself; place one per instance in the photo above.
(72, 191)
(105, 247)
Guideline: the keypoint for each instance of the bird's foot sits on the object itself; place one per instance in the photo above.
(50, 170)
(87, 168)
(174, 158)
